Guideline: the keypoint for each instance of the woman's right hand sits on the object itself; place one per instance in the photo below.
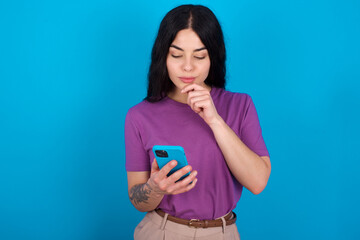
(163, 185)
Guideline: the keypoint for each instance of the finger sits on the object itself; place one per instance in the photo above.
(154, 166)
(198, 93)
(184, 182)
(201, 104)
(192, 87)
(179, 173)
(198, 107)
(166, 169)
(187, 188)
(192, 101)
(197, 96)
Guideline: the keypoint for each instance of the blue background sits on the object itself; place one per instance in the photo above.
(69, 71)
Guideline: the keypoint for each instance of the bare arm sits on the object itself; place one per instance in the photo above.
(141, 194)
(251, 170)
(147, 189)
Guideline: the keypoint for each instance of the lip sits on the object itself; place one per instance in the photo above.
(187, 79)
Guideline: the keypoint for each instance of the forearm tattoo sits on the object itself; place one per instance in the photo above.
(140, 193)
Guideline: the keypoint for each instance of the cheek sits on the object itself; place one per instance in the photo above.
(172, 70)
(205, 68)
(170, 66)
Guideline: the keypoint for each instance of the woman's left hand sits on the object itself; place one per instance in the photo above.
(200, 101)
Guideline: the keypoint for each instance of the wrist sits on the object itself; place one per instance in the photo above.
(216, 122)
(153, 189)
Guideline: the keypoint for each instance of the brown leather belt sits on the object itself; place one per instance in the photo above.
(230, 218)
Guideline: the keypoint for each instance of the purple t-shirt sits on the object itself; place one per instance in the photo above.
(168, 122)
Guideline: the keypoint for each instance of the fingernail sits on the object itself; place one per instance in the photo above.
(195, 173)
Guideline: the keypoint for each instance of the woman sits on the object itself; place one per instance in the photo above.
(187, 105)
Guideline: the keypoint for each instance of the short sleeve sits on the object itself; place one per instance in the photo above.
(251, 133)
(136, 156)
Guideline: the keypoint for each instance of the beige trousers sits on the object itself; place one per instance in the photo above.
(155, 227)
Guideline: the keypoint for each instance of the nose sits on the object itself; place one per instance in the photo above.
(188, 65)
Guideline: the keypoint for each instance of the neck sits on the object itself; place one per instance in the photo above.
(176, 95)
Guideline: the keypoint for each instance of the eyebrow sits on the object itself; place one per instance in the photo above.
(178, 48)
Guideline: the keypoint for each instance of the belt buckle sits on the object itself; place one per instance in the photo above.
(193, 221)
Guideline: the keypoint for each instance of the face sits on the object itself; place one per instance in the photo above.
(188, 60)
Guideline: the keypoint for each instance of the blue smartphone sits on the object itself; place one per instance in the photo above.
(165, 154)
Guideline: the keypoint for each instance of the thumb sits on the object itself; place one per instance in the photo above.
(155, 166)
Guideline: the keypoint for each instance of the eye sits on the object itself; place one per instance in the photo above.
(176, 56)
(197, 57)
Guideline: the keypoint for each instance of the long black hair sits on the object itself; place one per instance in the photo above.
(205, 24)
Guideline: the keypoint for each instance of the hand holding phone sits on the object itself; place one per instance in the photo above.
(165, 176)
(165, 154)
